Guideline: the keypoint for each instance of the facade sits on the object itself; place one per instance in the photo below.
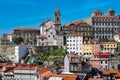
(26, 72)
(96, 47)
(104, 27)
(6, 39)
(72, 63)
(20, 52)
(109, 47)
(87, 49)
(80, 27)
(51, 30)
(49, 35)
(74, 43)
(29, 35)
(117, 37)
(100, 60)
(13, 53)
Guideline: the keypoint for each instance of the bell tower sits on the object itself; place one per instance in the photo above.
(57, 20)
(111, 12)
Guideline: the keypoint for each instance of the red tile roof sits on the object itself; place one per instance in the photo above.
(113, 70)
(102, 54)
(65, 77)
(42, 36)
(27, 67)
(105, 71)
(45, 72)
(109, 43)
(26, 29)
(73, 56)
(74, 34)
(73, 23)
(5, 39)
(117, 75)
(106, 17)
(95, 79)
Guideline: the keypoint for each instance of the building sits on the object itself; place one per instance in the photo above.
(44, 73)
(13, 53)
(6, 39)
(104, 27)
(87, 49)
(72, 63)
(50, 32)
(29, 35)
(80, 27)
(109, 47)
(74, 43)
(8, 71)
(100, 60)
(96, 47)
(63, 77)
(26, 72)
(117, 37)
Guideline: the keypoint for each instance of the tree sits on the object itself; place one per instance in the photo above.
(18, 40)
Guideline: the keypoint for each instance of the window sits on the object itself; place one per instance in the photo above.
(51, 33)
(48, 35)
(106, 62)
(53, 36)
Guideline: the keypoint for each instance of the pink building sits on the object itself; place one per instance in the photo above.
(96, 48)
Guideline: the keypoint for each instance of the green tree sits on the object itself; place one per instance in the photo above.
(18, 40)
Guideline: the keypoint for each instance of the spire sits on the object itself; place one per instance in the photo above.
(57, 19)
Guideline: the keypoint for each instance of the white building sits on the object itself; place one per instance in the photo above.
(49, 36)
(13, 53)
(72, 63)
(26, 72)
(117, 37)
(74, 43)
(50, 32)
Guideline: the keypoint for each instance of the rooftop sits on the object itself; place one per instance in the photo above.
(26, 29)
(74, 34)
(63, 77)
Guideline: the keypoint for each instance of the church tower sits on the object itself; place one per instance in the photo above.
(57, 20)
(111, 12)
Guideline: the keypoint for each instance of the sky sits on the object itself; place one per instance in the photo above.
(30, 13)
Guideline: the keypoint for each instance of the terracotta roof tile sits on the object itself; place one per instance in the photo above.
(72, 56)
(46, 74)
(26, 67)
(5, 39)
(117, 75)
(95, 79)
(113, 70)
(65, 77)
(74, 34)
(109, 43)
(103, 54)
(106, 17)
(42, 36)
(72, 23)
(105, 71)
(43, 70)
(26, 29)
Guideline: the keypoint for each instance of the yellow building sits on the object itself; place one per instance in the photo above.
(87, 50)
(109, 47)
